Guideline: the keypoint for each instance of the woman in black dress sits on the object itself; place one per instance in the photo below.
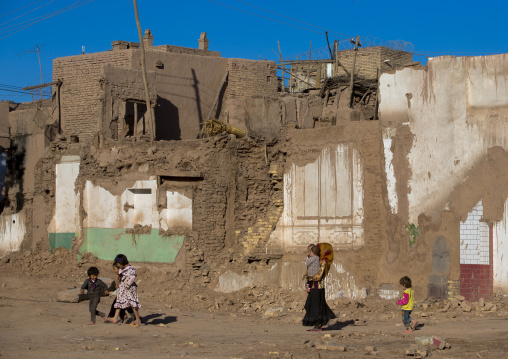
(317, 312)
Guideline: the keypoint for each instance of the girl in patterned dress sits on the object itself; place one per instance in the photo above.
(127, 296)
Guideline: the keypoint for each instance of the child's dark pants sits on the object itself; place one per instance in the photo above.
(94, 302)
(122, 311)
(406, 318)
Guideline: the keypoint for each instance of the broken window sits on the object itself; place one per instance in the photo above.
(135, 123)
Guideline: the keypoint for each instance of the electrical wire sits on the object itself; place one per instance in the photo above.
(264, 17)
(44, 16)
(290, 18)
(47, 16)
(21, 8)
(26, 13)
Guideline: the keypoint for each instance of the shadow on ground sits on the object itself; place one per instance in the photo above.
(157, 318)
(339, 325)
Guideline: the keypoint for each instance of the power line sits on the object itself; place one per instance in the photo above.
(40, 18)
(26, 13)
(287, 17)
(264, 17)
(21, 8)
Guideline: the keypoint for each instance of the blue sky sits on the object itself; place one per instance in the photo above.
(459, 28)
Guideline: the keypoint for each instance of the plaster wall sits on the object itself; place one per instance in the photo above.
(187, 86)
(136, 205)
(66, 218)
(456, 109)
(323, 203)
(500, 248)
(12, 232)
(391, 181)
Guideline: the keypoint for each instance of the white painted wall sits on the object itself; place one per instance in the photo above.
(458, 108)
(136, 205)
(500, 251)
(391, 181)
(323, 202)
(178, 213)
(12, 231)
(340, 283)
(474, 238)
(66, 218)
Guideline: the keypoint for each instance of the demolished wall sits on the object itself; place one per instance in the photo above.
(442, 126)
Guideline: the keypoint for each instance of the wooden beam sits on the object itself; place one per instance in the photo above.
(282, 65)
(42, 85)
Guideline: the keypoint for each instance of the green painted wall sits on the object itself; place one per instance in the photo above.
(106, 243)
(57, 240)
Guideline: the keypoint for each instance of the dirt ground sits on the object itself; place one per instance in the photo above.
(34, 324)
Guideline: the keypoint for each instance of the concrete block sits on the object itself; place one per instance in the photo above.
(423, 341)
(276, 312)
(440, 344)
(330, 347)
(465, 306)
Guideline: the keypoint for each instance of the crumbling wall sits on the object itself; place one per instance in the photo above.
(453, 118)
(442, 128)
(80, 92)
(120, 85)
(226, 182)
(371, 59)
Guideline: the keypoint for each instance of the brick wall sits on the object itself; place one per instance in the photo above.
(81, 90)
(475, 256)
(184, 50)
(250, 77)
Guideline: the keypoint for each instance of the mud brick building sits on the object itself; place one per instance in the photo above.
(101, 92)
(420, 191)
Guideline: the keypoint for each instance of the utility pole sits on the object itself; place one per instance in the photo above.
(38, 51)
(143, 66)
(283, 69)
(328, 42)
(308, 67)
(356, 41)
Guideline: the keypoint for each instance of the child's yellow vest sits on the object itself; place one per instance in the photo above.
(411, 302)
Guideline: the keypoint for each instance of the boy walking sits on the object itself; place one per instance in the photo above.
(94, 287)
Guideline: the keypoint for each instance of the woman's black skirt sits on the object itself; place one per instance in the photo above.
(317, 312)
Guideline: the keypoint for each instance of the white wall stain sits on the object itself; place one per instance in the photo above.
(459, 108)
(500, 247)
(12, 231)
